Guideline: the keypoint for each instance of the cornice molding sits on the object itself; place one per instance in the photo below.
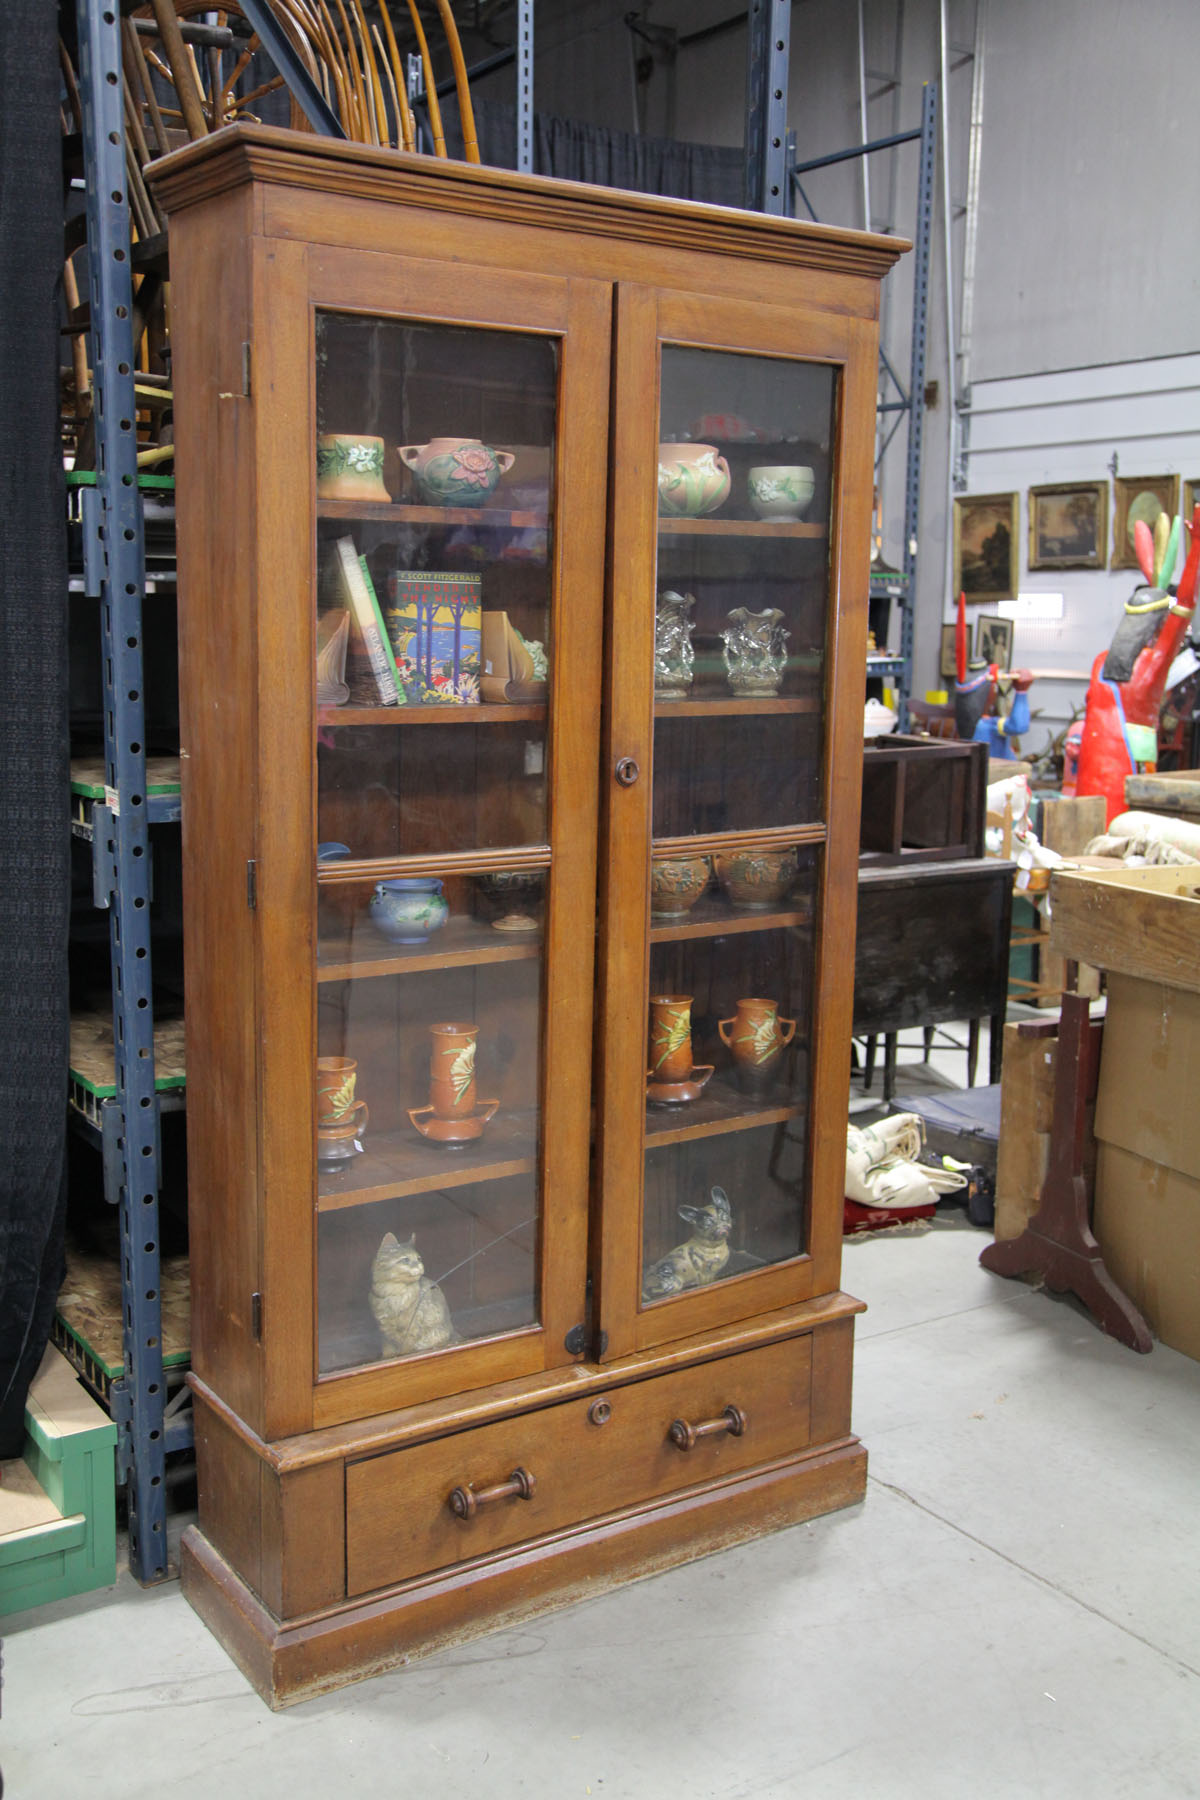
(241, 154)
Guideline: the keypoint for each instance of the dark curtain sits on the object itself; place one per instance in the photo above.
(34, 809)
(577, 151)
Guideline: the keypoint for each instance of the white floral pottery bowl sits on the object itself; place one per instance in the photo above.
(780, 490)
(350, 467)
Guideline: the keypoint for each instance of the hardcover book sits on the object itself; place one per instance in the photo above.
(369, 631)
(433, 623)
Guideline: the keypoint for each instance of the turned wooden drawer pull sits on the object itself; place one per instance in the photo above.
(465, 1501)
(686, 1437)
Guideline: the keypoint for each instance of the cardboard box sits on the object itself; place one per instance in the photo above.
(1147, 1205)
(1147, 1222)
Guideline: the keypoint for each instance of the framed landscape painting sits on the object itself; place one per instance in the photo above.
(985, 546)
(948, 658)
(1139, 497)
(1068, 526)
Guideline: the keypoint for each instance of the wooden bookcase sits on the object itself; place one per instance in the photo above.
(538, 1391)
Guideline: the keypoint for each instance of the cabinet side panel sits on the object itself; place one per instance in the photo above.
(230, 1478)
(847, 649)
(217, 649)
(832, 1375)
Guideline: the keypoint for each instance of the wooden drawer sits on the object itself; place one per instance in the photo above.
(399, 1520)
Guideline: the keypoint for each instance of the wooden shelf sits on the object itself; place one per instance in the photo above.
(368, 512)
(750, 528)
(721, 1108)
(396, 1163)
(715, 918)
(358, 1348)
(462, 943)
(483, 714)
(723, 707)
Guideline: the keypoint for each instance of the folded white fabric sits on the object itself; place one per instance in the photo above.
(882, 1168)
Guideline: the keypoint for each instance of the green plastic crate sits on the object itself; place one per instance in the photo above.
(58, 1521)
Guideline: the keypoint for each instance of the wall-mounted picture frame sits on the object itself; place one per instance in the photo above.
(948, 656)
(985, 546)
(1139, 497)
(1068, 526)
(1191, 494)
(994, 641)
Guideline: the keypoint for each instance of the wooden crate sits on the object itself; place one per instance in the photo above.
(923, 800)
(1143, 922)
(58, 1527)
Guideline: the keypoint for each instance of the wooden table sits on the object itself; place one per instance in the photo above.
(932, 947)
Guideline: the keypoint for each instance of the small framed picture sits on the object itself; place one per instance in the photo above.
(993, 641)
(1191, 494)
(1139, 497)
(985, 546)
(948, 659)
(1068, 526)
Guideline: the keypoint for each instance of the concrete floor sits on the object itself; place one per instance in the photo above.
(1014, 1611)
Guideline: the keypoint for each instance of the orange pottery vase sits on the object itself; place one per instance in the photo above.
(672, 1077)
(757, 1037)
(453, 1114)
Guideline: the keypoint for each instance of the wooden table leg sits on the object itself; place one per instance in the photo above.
(1058, 1244)
(972, 1050)
(889, 1065)
(868, 1062)
(995, 1047)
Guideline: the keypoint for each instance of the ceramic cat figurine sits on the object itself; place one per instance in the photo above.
(409, 1309)
(701, 1259)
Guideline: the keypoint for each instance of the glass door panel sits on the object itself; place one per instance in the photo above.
(435, 518)
(742, 584)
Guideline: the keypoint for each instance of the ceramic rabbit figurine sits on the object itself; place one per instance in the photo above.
(701, 1259)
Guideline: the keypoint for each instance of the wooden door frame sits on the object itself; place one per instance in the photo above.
(646, 320)
(292, 282)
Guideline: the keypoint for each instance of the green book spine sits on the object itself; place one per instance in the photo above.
(401, 696)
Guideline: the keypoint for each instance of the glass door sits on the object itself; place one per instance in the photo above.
(727, 645)
(454, 806)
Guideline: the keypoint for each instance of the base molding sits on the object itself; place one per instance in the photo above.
(292, 1662)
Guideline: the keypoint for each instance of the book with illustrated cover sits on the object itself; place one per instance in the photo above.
(433, 623)
(369, 634)
(513, 669)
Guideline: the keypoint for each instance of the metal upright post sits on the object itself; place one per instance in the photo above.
(916, 385)
(769, 26)
(113, 520)
(525, 86)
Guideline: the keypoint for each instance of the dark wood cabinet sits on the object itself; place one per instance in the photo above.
(523, 573)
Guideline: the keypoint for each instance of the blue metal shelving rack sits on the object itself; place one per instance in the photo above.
(114, 569)
(909, 402)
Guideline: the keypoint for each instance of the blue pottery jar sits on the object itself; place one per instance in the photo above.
(407, 908)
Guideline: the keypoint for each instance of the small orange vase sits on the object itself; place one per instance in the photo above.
(337, 1109)
(672, 1077)
(757, 1037)
(453, 1114)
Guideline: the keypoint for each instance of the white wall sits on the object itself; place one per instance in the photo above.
(1087, 235)
(1070, 425)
